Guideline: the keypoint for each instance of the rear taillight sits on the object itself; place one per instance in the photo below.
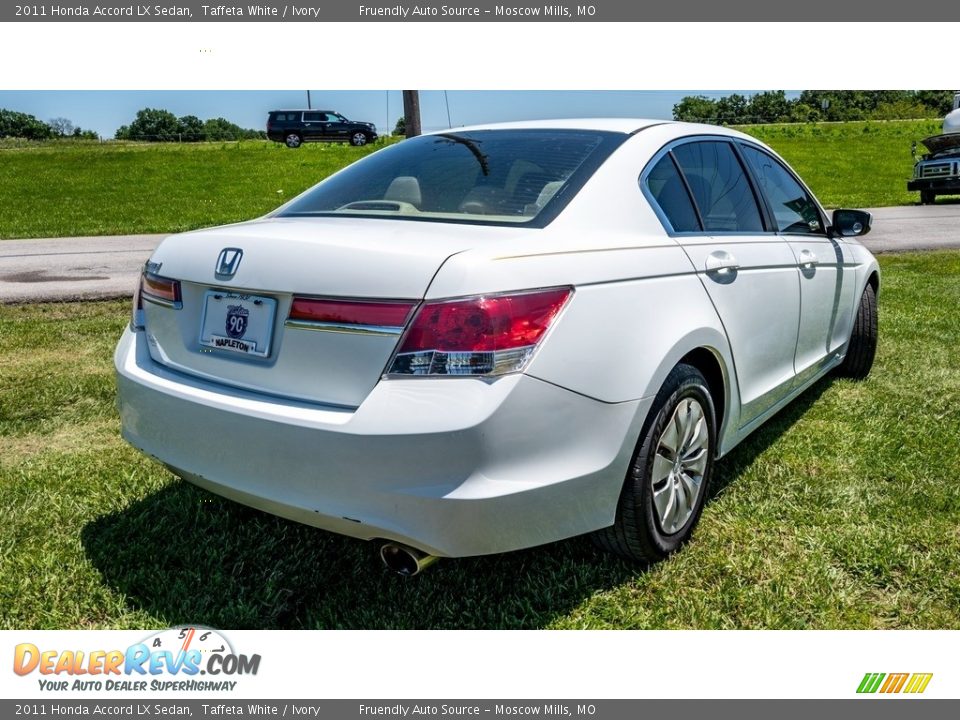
(359, 316)
(485, 335)
(160, 290)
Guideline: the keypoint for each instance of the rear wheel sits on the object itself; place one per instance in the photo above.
(293, 140)
(927, 197)
(667, 483)
(863, 340)
(359, 138)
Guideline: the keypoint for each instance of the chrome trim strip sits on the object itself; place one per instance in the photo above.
(161, 301)
(380, 330)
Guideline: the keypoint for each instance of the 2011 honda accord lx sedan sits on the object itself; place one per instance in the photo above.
(491, 338)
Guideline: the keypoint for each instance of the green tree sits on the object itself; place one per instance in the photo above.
(401, 127)
(190, 128)
(151, 125)
(803, 113)
(900, 110)
(938, 102)
(222, 129)
(732, 109)
(22, 125)
(769, 107)
(695, 108)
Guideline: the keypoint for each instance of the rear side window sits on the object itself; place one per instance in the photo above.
(793, 208)
(668, 191)
(719, 186)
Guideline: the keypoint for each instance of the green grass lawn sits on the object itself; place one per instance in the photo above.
(54, 190)
(67, 189)
(842, 512)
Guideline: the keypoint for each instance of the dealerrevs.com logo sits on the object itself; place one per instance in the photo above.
(891, 683)
(179, 659)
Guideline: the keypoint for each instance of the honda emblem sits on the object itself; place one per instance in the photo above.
(228, 262)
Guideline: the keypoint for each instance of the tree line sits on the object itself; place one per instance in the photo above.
(21, 125)
(149, 125)
(815, 106)
(153, 125)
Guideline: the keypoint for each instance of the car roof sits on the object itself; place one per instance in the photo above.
(621, 125)
(304, 110)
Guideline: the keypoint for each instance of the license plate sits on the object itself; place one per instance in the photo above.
(238, 323)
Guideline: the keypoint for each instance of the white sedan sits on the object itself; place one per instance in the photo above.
(488, 339)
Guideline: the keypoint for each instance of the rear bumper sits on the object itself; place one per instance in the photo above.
(940, 185)
(455, 467)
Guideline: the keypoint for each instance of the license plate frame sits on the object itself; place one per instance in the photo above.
(240, 324)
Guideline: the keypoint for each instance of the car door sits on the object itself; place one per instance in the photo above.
(314, 125)
(824, 263)
(749, 272)
(337, 128)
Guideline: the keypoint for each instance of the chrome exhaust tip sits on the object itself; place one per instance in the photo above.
(405, 560)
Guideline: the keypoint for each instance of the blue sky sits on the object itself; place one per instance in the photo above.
(106, 110)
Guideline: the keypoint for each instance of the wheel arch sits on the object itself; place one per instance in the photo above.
(708, 363)
(707, 350)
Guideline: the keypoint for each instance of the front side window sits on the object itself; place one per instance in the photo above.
(719, 187)
(492, 176)
(793, 208)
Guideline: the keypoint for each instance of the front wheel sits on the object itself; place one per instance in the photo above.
(863, 340)
(927, 197)
(668, 480)
(358, 139)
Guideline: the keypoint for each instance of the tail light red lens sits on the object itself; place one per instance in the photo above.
(483, 335)
(352, 313)
(161, 290)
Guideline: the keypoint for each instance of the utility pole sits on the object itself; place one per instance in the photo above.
(411, 112)
(309, 106)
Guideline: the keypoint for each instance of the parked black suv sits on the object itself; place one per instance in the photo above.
(295, 127)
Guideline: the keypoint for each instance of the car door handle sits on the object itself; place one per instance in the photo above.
(807, 259)
(721, 262)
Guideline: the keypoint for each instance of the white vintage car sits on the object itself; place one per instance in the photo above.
(491, 338)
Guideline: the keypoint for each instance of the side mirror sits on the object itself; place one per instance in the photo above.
(851, 223)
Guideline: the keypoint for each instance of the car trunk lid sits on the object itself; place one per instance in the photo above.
(232, 324)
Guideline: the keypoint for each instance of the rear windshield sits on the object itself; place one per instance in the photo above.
(485, 176)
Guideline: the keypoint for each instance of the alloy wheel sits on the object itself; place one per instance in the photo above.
(679, 464)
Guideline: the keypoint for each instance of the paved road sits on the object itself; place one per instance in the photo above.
(105, 267)
(915, 227)
(80, 268)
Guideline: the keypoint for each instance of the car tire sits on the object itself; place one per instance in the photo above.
(647, 528)
(293, 140)
(358, 139)
(927, 197)
(863, 340)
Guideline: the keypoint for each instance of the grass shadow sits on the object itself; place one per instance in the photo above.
(189, 557)
(727, 470)
(185, 556)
